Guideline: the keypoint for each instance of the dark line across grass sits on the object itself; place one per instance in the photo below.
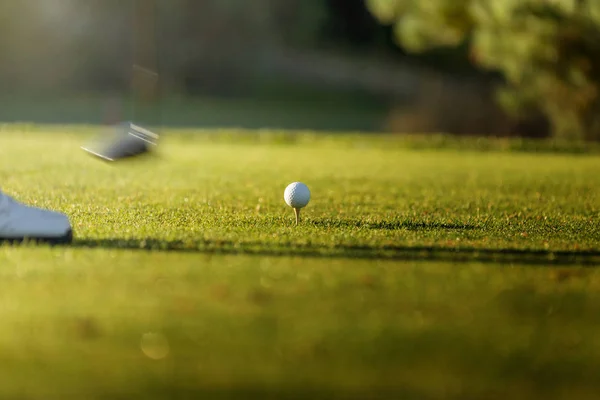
(389, 225)
(393, 252)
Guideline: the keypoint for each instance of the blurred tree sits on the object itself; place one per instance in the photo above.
(26, 48)
(65, 44)
(296, 22)
(547, 51)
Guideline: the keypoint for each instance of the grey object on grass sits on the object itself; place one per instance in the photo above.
(129, 140)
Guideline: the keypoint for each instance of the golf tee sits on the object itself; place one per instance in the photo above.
(297, 214)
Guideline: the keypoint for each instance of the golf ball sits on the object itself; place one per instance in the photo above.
(296, 195)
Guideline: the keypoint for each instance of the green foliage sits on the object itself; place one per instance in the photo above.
(547, 51)
(297, 22)
(68, 44)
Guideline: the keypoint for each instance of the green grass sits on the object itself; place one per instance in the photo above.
(455, 270)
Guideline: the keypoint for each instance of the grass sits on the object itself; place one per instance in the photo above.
(439, 271)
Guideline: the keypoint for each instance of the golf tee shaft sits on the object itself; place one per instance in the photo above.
(297, 214)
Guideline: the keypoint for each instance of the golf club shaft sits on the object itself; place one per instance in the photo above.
(145, 77)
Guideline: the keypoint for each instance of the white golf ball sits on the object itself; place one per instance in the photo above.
(296, 195)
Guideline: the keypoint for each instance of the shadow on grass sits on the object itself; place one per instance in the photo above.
(390, 252)
(303, 392)
(389, 225)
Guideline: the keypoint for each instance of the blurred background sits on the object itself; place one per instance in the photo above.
(469, 67)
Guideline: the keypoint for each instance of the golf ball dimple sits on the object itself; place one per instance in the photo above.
(296, 195)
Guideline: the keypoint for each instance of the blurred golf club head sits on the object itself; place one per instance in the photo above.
(125, 141)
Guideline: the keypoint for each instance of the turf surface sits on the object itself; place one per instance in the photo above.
(423, 273)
